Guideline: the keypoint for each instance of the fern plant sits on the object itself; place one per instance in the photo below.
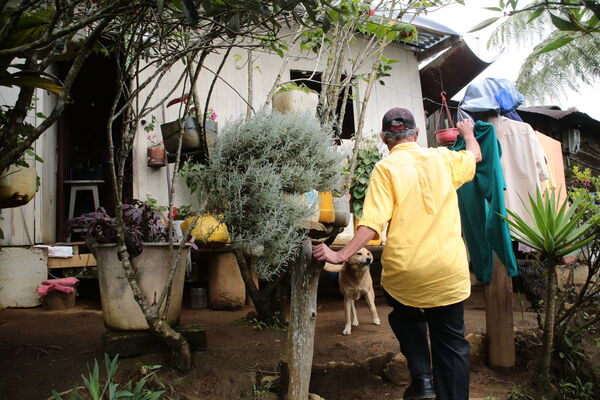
(566, 36)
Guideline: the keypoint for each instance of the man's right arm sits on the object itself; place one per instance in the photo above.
(465, 128)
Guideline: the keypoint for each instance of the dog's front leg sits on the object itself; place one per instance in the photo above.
(354, 314)
(371, 302)
(348, 307)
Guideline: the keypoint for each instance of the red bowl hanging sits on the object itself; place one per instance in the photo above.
(445, 137)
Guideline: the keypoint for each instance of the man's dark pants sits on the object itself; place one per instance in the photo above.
(449, 348)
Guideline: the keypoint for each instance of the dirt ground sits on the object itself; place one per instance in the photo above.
(45, 350)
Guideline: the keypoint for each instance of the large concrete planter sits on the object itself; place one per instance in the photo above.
(295, 101)
(120, 309)
(17, 186)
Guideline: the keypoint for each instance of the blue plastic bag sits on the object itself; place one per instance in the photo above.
(496, 94)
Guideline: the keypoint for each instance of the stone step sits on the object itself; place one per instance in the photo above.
(135, 343)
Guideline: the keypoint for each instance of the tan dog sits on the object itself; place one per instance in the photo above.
(355, 281)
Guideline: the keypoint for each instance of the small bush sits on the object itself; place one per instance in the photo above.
(256, 178)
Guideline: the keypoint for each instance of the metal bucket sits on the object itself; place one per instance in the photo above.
(199, 299)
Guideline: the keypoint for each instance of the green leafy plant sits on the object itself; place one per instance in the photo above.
(367, 157)
(287, 87)
(107, 389)
(153, 203)
(261, 390)
(578, 314)
(182, 213)
(519, 393)
(555, 232)
(577, 390)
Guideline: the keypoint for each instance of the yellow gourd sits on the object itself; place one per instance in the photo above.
(207, 229)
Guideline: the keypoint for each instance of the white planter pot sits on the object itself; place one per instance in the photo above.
(120, 309)
(17, 186)
(22, 270)
(295, 101)
(341, 205)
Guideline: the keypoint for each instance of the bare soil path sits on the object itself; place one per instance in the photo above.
(45, 350)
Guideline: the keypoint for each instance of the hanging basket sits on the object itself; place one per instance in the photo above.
(446, 136)
(17, 186)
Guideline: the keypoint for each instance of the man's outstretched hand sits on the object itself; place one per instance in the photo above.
(323, 253)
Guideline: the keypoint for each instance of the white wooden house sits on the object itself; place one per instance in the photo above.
(77, 141)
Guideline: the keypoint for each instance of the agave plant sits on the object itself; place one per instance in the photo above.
(557, 230)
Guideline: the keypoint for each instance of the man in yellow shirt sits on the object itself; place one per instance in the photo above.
(425, 270)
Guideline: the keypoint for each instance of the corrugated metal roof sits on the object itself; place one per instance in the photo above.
(431, 35)
(571, 117)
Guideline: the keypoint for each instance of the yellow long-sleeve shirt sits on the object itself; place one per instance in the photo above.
(414, 191)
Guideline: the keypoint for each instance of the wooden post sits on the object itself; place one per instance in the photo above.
(499, 319)
(302, 321)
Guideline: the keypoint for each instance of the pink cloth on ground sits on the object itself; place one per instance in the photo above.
(45, 289)
(71, 282)
(64, 285)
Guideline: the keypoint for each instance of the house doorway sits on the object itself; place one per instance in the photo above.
(83, 146)
(346, 131)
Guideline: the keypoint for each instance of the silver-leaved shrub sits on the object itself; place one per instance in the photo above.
(255, 182)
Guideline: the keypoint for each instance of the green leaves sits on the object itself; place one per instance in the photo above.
(556, 231)
(31, 81)
(484, 24)
(111, 390)
(560, 42)
(563, 24)
(365, 162)
(30, 27)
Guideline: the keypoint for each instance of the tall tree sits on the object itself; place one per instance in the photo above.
(566, 34)
(145, 38)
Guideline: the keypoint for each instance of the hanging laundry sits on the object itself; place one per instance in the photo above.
(523, 163)
(481, 202)
(556, 167)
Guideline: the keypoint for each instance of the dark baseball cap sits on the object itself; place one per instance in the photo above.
(398, 119)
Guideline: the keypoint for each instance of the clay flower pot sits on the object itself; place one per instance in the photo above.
(157, 156)
(446, 137)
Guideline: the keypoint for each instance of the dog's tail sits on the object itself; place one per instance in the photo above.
(333, 267)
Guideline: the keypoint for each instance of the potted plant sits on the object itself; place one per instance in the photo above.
(291, 97)
(189, 127)
(366, 159)
(180, 214)
(157, 154)
(146, 240)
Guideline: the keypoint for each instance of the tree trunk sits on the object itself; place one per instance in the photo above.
(261, 304)
(302, 321)
(180, 349)
(540, 378)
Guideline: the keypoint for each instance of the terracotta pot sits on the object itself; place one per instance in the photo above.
(157, 156)
(17, 186)
(446, 137)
